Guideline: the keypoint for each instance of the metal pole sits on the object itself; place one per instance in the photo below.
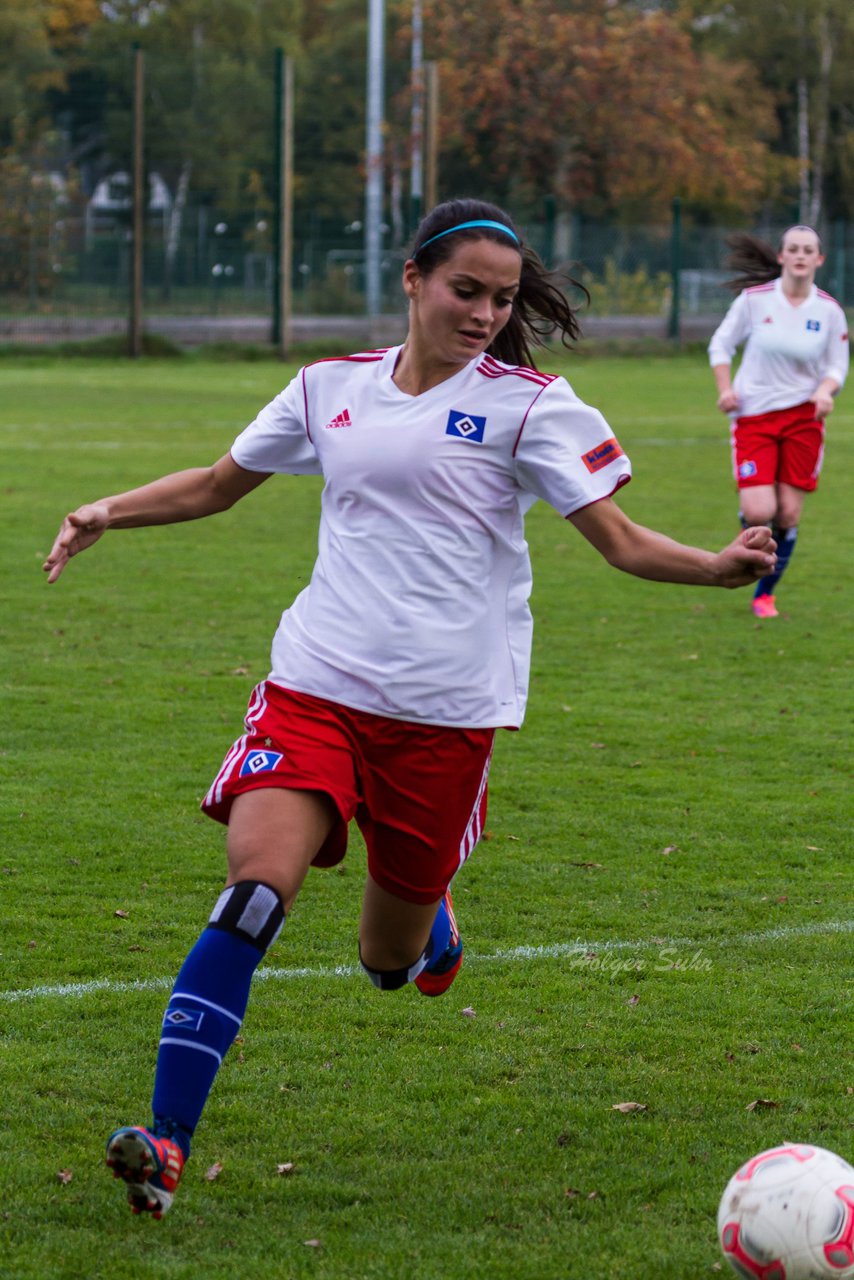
(416, 186)
(673, 330)
(284, 202)
(138, 207)
(374, 158)
(431, 197)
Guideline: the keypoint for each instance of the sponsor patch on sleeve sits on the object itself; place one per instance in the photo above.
(605, 453)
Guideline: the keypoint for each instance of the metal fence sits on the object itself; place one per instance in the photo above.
(70, 274)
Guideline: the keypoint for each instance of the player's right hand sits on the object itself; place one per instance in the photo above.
(728, 401)
(78, 531)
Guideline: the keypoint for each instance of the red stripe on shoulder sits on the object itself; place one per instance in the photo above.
(761, 288)
(359, 357)
(492, 368)
(828, 297)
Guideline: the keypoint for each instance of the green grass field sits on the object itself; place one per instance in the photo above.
(661, 913)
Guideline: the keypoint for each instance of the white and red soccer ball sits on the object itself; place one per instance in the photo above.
(788, 1214)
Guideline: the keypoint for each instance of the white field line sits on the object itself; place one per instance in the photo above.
(512, 955)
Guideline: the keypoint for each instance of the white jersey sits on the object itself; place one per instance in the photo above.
(789, 350)
(417, 607)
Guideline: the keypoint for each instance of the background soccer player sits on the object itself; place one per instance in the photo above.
(411, 644)
(795, 360)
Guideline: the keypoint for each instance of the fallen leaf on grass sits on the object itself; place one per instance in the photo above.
(633, 1000)
(628, 1107)
(670, 848)
(761, 1102)
(284, 1169)
(213, 1172)
(468, 1012)
(312, 1244)
(123, 915)
(64, 1176)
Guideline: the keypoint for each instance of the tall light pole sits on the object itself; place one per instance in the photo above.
(374, 183)
(416, 166)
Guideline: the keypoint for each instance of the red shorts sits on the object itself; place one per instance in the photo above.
(785, 446)
(417, 792)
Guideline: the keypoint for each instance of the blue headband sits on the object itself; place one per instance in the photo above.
(463, 226)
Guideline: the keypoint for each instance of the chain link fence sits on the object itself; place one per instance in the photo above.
(208, 270)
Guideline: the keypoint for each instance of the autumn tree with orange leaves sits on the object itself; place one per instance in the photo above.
(607, 107)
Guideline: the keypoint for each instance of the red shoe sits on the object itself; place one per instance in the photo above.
(764, 607)
(150, 1166)
(436, 978)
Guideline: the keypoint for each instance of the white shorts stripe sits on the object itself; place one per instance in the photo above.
(473, 831)
(188, 1044)
(256, 708)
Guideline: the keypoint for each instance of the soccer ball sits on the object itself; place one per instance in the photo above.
(788, 1214)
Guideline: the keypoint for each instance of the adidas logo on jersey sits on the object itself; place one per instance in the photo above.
(768, 320)
(340, 420)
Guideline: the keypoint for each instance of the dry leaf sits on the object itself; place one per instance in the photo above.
(633, 1000)
(284, 1169)
(571, 1193)
(670, 848)
(468, 1012)
(213, 1172)
(123, 915)
(64, 1176)
(761, 1102)
(312, 1244)
(597, 746)
(628, 1107)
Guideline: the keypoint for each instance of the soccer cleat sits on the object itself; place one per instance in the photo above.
(150, 1166)
(764, 607)
(436, 978)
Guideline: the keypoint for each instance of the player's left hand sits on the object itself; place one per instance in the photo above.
(823, 402)
(748, 557)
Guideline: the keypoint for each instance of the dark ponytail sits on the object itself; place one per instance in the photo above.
(755, 259)
(540, 308)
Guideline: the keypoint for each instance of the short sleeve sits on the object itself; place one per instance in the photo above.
(835, 363)
(278, 439)
(731, 332)
(567, 453)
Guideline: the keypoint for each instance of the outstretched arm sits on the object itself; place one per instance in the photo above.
(647, 554)
(184, 495)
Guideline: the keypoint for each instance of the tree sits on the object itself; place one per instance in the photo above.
(804, 53)
(608, 107)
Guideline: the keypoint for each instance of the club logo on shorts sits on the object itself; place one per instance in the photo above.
(814, 325)
(259, 762)
(466, 426)
(602, 455)
(746, 470)
(187, 1019)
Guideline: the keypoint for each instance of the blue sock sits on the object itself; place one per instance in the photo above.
(440, 935)
(207, 1005)
(785, 539)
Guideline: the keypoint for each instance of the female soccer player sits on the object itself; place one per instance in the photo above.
(392, 670)
(795, 360)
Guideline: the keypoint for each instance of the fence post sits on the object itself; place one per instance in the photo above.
(283, 216)
(138, 207)
(840, 284)
(674, 327)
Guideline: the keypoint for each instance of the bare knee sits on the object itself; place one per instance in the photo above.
(273, 835)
